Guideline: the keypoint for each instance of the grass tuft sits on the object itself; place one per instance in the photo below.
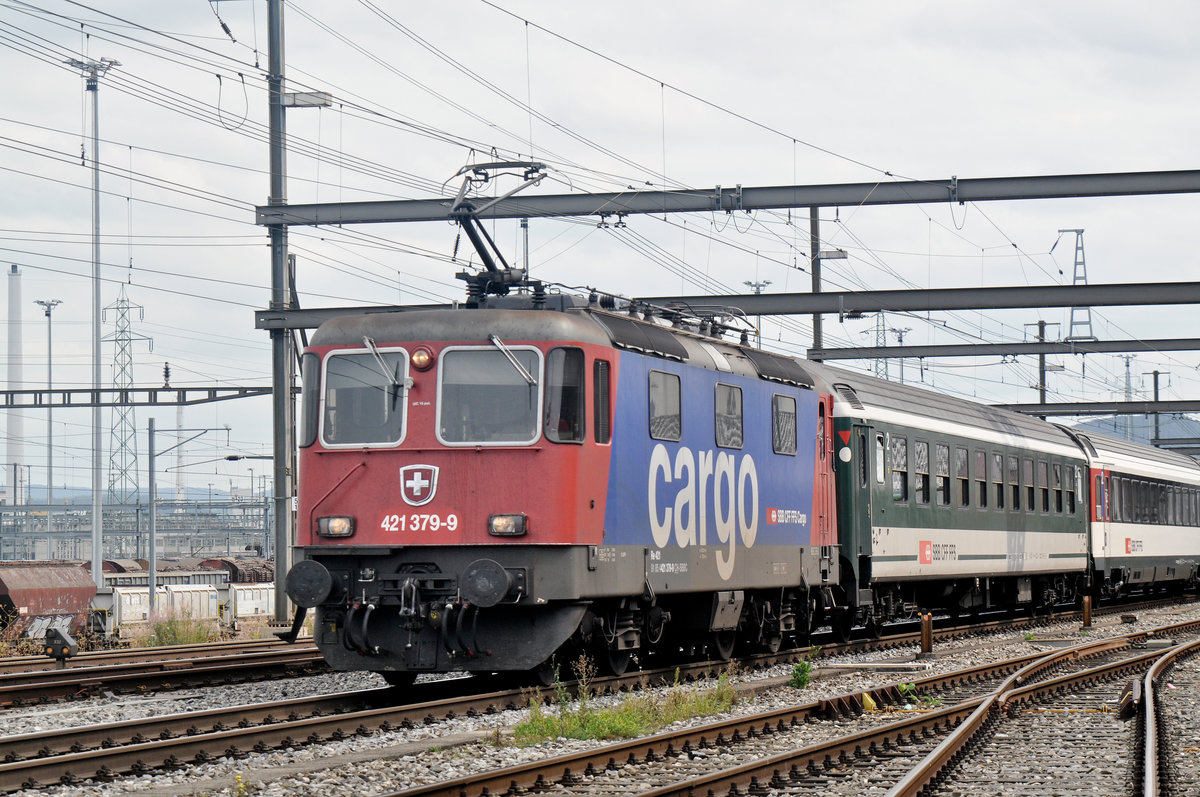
(635, 715)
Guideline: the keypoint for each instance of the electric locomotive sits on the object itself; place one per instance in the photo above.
(482, 489)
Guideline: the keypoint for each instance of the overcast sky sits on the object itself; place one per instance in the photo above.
(675, 94)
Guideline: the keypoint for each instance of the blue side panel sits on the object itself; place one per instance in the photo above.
(679, 497)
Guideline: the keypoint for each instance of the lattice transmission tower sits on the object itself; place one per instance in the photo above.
(1081, 317)
(122, 463)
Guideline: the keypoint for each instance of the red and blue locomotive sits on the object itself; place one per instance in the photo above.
(483, 488)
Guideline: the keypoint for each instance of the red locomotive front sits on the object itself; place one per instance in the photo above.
(426, 441)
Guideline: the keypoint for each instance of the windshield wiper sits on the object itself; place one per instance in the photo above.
(507, 352)
(394, 382)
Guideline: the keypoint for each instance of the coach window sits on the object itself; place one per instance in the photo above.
(729, 416)
(565, 411)
(980, 468)
(1129, 500)
(899, 468)
(998, 479)
(921, 471)
(601, 402)
(962, 475)
(1043, 484)
(1058, 488)
(1074, 487)
(666, 422)
(364, 398)
(1014, 483)
(942, 463)
(1027, 474)
(1115, 511)
(879, 469)
(783, 424)
(862, 460)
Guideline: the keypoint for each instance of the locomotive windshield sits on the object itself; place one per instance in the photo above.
(364, 398)
(485, 398)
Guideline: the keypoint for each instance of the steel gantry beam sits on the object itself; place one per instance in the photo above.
(124, 397)
(847, 302)
(984, 349)
(899, 192)
(1106, 407)
(856, 302)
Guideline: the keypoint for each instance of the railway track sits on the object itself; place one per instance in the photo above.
(139, 746)
(107, 751)
(784, 752)
(136, 673)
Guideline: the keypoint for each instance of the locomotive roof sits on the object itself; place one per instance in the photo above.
(420, 325)
(579, 324)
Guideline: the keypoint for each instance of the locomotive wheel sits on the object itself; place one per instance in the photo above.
(545, 674)
(842, 623)
(616, 662)
(722, 644)
(399, 678)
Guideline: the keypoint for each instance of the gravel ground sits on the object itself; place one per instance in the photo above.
(443, 751)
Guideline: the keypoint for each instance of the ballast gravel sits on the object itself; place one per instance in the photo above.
(406, 758)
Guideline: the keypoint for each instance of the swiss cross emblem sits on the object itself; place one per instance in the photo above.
(418, 484)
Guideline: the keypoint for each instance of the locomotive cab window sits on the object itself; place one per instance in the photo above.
(364, 402)
(728, 416)
(666, 421)
(489, 395)
(565, 395)
(783, 424)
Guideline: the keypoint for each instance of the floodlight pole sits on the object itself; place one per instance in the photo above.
(48, 305)
(93, 70)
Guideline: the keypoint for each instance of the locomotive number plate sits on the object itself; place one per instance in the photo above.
(419, 521)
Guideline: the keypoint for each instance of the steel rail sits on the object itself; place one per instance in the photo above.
(1152, 775)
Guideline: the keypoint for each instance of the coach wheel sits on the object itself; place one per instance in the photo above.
(399, 678)
(874, 628)
(722, 644)
(616, 662)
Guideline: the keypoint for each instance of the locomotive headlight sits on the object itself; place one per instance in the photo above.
(338, 526)
(422, 358)
(506, 525)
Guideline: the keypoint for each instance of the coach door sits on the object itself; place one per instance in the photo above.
(825, 506)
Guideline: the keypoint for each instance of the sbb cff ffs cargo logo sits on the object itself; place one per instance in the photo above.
(418, 484)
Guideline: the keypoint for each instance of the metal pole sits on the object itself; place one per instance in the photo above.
(93, 70)
(282, 364)
(153, 519)
(1156, 399)
(48, 305)
(1042, 366)
(814, 259)
(93, 85)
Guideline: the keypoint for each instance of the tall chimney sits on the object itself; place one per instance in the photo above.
(15, 459)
